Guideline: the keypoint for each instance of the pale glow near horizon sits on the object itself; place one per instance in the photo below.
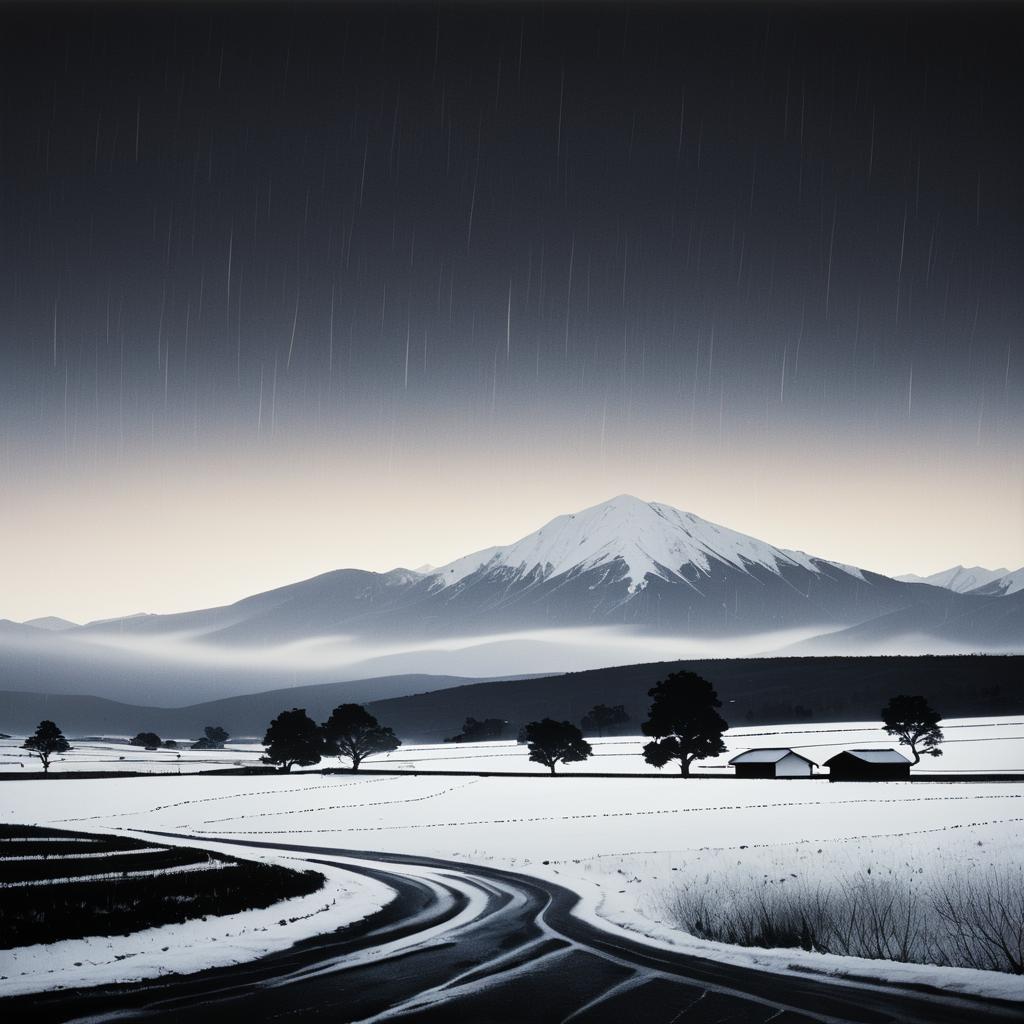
(184, 533)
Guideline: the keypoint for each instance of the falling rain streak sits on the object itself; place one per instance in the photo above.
(499, 231)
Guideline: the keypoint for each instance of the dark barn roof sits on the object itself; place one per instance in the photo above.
(889, 757)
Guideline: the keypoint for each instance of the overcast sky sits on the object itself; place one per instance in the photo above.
(290, 289)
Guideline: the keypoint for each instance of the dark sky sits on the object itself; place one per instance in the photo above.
(762, 262)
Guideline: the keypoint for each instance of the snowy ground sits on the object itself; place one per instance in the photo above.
(616, 841)
(197, 944)
(972, 746)
(116, 755)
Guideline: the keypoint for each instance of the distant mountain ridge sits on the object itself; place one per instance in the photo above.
(635, 570)
(428, 708)
(624, 562)
(247, 714)
(52, 622)
(1008, 583)
(959, 578)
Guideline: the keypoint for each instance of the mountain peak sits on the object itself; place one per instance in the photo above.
(1006, 583)
(959, 578)
(51, 622)
(644, 538)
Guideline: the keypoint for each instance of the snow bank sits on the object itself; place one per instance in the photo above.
(198, 944)
(612, 913)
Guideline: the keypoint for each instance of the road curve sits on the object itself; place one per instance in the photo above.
(485, 946)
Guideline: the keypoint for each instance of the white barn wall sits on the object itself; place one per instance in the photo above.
(791, 767)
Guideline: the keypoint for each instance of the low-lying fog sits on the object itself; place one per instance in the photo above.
(175, 670)
(181, 669)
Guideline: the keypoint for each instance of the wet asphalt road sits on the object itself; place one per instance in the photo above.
(483, 946)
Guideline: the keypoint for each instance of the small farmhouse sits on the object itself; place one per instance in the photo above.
(867, 766)
(773, 763)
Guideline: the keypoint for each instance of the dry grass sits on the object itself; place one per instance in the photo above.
(962, 919)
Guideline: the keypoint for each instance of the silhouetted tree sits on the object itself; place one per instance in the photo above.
(293, 738)
(551, 742)
(601, 717)
(46, 741)
(475, 730)
(684, 722)
(915, 723)
(353, 732)
(145, 739)
(215, 738)
(171, 744)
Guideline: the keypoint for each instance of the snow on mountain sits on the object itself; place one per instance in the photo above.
(650, 539)
(1007, 583)
(959, 578)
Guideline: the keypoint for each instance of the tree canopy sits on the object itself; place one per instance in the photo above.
(214, 739)
(476, 730)
(684, 721)
(915, 723)
(551, 743)
(353, 732)
(145, 739)
(46, 741)
(293, 738)
(601, 717)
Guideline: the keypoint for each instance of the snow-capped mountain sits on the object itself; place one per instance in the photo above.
(663, 579)
(642, 539)
(959, 578)
(624, 562)
(1007, 583)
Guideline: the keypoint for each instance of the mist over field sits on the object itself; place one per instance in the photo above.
(176, 669)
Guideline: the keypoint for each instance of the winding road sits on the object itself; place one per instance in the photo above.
(480, 945)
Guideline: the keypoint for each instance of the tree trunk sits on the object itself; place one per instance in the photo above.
(684, 769)
(355, 763)
(917, 756)
(552, 767)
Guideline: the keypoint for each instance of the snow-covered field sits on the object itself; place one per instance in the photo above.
(196, 944)
(117, 755)
(972, 745)
(621, 843)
